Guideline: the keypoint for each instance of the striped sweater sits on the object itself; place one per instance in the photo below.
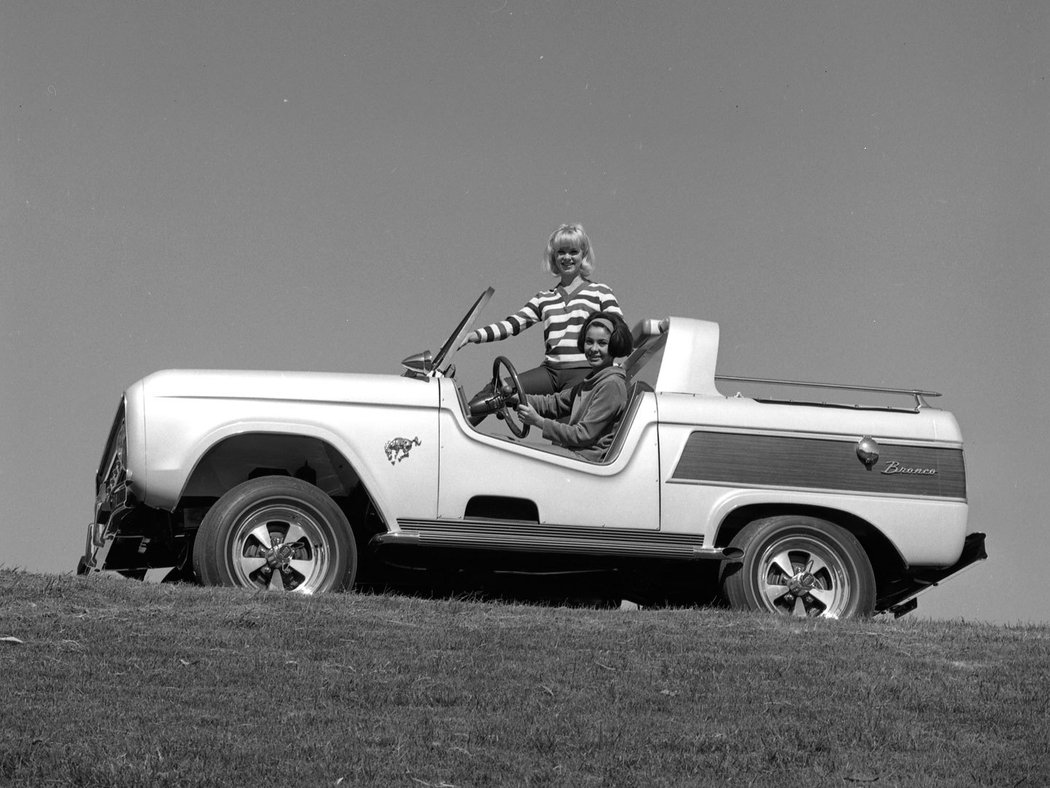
(562, 315)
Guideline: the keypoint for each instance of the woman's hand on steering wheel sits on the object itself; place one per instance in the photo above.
(527, 415)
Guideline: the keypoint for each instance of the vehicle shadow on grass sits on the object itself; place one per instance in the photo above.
(596, 589)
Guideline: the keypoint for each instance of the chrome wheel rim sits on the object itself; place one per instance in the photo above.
(277, 547)
(802, 577)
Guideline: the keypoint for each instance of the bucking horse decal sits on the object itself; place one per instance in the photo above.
(397, 449)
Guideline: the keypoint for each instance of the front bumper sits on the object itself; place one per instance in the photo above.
(126, 536)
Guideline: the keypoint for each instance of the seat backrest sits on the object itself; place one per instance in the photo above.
(634, 398)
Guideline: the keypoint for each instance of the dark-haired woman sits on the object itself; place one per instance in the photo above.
(595, 404)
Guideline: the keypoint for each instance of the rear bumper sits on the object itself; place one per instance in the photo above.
(900, 597)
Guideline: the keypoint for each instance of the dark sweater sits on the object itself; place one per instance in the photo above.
(594, 407)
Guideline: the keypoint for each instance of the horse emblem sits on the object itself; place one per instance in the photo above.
(397, 449)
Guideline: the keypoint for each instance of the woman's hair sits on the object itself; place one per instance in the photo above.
(620, 341)
(575, 234)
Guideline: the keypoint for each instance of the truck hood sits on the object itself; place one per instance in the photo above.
(332, 387)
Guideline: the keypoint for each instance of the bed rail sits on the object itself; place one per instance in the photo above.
(919, 394)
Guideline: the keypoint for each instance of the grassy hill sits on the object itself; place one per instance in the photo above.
(114, 683)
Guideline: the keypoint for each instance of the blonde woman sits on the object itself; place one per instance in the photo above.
(563, 310)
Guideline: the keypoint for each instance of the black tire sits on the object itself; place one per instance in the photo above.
(277, 533)
(799, 566)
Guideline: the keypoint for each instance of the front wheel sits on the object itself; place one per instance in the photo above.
(277, 533)
(799, 566)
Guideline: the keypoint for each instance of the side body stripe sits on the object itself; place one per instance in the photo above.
(483, 534)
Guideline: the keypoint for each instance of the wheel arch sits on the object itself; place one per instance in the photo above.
(886, 562)
(235, 458)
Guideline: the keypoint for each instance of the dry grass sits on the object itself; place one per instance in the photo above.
(114, 683)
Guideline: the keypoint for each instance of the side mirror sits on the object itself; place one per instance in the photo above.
(419, 365)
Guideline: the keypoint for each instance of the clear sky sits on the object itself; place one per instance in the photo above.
(857, 192)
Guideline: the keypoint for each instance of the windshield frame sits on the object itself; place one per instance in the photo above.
(455, 340)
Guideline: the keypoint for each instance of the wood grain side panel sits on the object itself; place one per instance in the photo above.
(813, 463)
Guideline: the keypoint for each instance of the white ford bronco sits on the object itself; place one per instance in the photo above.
(313, 482)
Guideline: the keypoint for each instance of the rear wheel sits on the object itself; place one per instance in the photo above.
(799, 566)
(277, 533)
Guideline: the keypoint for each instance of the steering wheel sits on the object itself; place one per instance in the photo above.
(519, 428)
